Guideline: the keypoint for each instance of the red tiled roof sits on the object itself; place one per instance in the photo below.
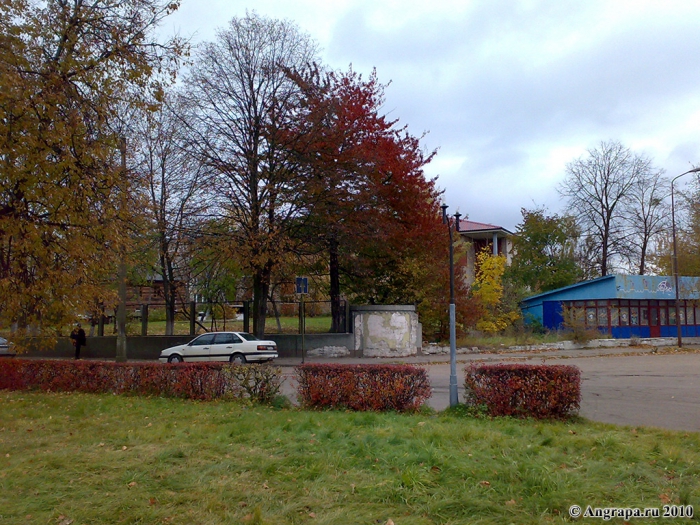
(465, 226)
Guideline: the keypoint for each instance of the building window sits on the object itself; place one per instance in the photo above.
(624, 317)
(645, 316)
(614, 316)
(634, 315)
(590, 317)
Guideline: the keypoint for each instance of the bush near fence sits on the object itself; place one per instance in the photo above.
(539, 391)
(202, 381)
(363, 387)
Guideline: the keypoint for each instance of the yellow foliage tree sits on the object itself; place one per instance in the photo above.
(68, 69)
(487, 290)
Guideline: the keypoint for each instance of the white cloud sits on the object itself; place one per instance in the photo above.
(511, 90)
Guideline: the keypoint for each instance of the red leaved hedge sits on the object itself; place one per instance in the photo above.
(363, 387)
(539, 391)
(204, 381)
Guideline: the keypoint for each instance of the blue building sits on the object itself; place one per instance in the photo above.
(622, 306)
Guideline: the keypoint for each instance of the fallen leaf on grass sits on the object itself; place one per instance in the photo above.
(62, 520)
(389, 522)
(511, 502)
(312, 515)
(485, 483)
(664, 498)
(152, 501)
(132, 484)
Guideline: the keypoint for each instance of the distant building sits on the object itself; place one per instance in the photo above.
(479, 236)
(623, 306)
(151, 292)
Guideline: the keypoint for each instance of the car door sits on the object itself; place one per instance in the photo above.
(225, 344)
(199, 349)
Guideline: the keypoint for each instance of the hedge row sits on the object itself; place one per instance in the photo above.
(363, 387)
(204, 381)
(539, 391)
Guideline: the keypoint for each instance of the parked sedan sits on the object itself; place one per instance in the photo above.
(236, 347)
(6, 348)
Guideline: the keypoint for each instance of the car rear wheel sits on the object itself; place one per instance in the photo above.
(237, 359)
(174, 359)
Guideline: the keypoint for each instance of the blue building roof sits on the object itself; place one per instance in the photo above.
(622, 287)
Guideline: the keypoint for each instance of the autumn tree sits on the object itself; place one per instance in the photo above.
(378, 217)
(240, 104)
(488, 292)
(647, 216)
(66, 69)
(598, 188)
(687, 209)
(175, 193)
(544, 252)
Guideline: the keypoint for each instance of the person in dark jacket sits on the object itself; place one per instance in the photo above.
(78, 338)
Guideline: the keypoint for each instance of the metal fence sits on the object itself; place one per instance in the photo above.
(197, 317)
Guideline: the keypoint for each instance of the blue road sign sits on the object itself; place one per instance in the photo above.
(302, 285)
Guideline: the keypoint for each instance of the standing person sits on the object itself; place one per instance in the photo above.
(79, 340)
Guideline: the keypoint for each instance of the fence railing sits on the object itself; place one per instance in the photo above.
(196, 317)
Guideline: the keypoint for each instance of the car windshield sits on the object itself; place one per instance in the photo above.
(248, 337)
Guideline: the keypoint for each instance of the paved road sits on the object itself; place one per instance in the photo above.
(650, 390)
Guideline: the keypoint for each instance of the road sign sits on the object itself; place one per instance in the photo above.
(302, 285)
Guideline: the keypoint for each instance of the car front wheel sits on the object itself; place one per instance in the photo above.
(237, 359)
(174, 359)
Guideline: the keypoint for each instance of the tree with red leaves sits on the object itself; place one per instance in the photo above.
(379, 222)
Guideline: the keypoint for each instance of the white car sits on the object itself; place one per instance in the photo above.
(6, 348)
(236, 347)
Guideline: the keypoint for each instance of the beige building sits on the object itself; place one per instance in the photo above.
(479, 235)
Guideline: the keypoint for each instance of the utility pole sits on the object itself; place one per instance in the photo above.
(454, 397)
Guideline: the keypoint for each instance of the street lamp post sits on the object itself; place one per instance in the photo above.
(454, 398)
(675, 257)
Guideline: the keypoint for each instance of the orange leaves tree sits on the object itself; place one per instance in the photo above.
(377, 219)
(67, 69)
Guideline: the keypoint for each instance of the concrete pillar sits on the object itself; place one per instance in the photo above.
(495, 244)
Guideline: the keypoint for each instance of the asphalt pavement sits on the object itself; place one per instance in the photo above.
(636, 386)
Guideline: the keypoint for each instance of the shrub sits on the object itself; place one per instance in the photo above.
(203, 381)
(363, 387)
(539, 391)
(575, 327)
(260, 383)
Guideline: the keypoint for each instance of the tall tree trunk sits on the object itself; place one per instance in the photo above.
(169, 292)
(643, 258)
(261, 289)
(334, 270)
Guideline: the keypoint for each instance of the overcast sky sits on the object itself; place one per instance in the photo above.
(509, 91)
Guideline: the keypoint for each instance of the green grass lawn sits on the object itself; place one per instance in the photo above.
(78, 458)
